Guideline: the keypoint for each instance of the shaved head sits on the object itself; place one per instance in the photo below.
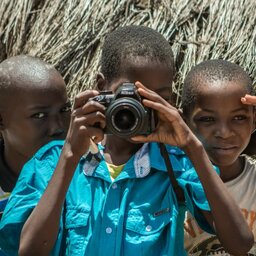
(24, 72)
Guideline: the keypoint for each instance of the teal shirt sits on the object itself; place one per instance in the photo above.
(136, 214)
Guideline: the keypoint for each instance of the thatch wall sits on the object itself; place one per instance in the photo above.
(69, 33)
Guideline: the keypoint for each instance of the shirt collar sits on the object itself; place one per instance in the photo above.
(138, 166)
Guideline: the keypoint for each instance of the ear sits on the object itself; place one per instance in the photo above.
(101, 82)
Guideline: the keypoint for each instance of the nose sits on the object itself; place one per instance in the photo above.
(56, 127)
(223, 131)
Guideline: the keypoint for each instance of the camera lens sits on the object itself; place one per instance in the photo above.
(124, 119)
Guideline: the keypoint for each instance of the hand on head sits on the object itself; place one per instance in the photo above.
(87, 122)
(249, 100)
(170, 129)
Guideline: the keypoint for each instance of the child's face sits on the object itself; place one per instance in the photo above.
(222, 122)
(35, 116)
(156, 76)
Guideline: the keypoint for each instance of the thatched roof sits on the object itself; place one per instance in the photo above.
(69, 33)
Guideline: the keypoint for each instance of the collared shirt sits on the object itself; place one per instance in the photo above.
(136, 214)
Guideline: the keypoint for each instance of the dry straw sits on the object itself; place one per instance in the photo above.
(69, 33)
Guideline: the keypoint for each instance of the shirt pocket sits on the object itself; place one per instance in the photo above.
(76, 229)
(148, 223)
(148, 233)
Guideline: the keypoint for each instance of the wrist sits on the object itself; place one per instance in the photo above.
(69, 155)
(193, 146)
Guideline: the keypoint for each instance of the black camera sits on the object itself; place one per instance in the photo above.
(125, 114)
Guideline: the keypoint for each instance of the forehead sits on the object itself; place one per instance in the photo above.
(46, 81)
(221, 94)
(222, 88)
(154, 75)
(35, 100)
(26, 92)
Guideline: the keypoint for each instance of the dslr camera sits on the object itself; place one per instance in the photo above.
(125, 114)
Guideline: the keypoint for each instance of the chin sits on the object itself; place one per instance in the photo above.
(224, 161)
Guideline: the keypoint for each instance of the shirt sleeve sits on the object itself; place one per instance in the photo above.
(31, 184)
(195, 198)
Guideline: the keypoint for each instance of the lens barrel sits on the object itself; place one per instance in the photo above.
(125, 117)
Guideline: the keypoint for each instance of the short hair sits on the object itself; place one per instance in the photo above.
(18, 69)
(211, 71)
(129, 42)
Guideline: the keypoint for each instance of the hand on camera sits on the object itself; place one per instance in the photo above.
(170, 129)
(87, 122)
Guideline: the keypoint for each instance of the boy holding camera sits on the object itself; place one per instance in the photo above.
(77, 206)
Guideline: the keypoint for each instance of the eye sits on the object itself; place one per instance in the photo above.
(206, 119)
(66, 108)
(39, 115)
(240, 118)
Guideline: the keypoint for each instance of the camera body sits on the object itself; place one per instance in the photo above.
(125, 114)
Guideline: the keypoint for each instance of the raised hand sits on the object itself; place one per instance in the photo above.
(171, 129)
(249, 100)
(87, 123)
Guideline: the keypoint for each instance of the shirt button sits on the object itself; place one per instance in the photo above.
(108, 230)
(148, 228)
(114, 186)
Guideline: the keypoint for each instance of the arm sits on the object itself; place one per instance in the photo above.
(40, 231)
(225, 216)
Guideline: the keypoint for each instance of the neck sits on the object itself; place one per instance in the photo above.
(228, 173)
(14, 161)
(118, 150)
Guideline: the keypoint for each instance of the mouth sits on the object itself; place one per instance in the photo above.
(225, 149)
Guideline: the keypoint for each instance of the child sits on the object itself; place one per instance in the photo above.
(212, 108)
(84, 210)
(34, 109)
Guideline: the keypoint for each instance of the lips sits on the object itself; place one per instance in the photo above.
(227, 149)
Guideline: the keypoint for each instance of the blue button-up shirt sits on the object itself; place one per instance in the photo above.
(136, 214)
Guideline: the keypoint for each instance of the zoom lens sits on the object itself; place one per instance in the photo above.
(124, 119)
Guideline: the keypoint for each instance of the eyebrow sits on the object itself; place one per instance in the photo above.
(245, 108)
(233, 111)
(41, 107)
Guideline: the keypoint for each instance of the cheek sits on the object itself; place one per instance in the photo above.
(35, 133)
(203, 134)
(200, 130)
(23, 142)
